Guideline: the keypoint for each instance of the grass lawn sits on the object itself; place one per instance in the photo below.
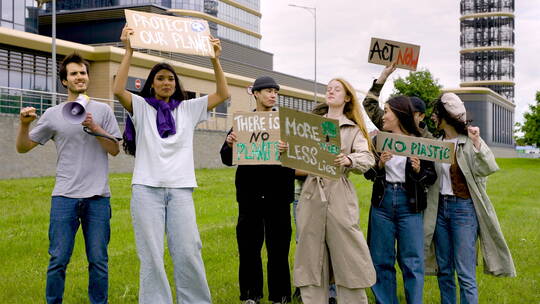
(25, 203)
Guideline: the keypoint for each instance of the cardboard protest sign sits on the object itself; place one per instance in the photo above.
(169, 33)
(387, 51)
(257, 135)
(314, 142)
(423, 148)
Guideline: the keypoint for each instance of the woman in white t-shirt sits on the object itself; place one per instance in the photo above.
(398, 199)
(161, 127)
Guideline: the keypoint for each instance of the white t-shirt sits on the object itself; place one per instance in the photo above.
(395, 169)
(445, 180)
(166, 162)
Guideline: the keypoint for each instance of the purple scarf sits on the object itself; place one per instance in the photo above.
(164, 119)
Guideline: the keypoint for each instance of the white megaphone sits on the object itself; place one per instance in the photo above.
(75, 111)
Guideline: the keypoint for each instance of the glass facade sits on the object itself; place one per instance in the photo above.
(19, 15)
(502, 122)
(25, 69)
(238, 17)
(239, 37)
(295, 103)
(215, 8)
(195, 5)
(252, 4)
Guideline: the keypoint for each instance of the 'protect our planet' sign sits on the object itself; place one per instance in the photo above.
(169, 33)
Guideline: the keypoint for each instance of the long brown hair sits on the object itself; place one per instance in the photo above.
(404, 111)
(351, 109)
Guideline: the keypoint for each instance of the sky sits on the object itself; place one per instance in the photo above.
(345, 28)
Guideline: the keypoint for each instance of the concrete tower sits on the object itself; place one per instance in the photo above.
(487, 45)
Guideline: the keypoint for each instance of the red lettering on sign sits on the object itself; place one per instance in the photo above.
(407, 58)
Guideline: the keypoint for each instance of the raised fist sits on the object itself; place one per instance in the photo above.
(27, 115)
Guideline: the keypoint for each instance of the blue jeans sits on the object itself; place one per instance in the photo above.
(94, 215)
(455, 238)
(158, 211)
(394, 221)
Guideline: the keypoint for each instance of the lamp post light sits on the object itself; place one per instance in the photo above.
(313, 11)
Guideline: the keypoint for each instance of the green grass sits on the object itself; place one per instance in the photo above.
(25, 203)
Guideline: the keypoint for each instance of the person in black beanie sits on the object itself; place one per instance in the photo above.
(264, 194)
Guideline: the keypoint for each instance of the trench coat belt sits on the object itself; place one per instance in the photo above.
(320, 185)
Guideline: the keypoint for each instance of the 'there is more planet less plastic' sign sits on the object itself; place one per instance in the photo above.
(313, 142)
(257, 138)
(169, 33)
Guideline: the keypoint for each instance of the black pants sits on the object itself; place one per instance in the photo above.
(257, 220)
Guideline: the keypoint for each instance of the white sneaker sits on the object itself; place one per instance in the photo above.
(249, 302)
(283, 301)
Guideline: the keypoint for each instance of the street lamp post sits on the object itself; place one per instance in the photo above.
(54, 52)
(313, 11)
(53, 46)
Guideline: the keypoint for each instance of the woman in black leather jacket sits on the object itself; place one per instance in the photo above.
(398, 198)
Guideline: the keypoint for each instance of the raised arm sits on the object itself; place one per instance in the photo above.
(24, 143)
(119, 88)
(371, 102)
(222, 88)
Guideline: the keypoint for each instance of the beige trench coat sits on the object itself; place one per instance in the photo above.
(476, 166)
(327, 219)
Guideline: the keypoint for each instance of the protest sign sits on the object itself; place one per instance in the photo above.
(169, 33)
(387, 51)
(423, 148)
(257, 135)
(314, 142)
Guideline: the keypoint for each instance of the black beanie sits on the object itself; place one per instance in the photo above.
(418, 104)
(264, 82)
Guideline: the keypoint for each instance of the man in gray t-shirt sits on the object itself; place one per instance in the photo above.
(81, 194)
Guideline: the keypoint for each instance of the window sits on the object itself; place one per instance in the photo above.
(7, 10)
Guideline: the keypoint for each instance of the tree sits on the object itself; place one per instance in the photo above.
(422, 85)
(531, 125)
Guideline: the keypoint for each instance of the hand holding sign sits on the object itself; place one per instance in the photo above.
(342, 160)
(127, 32)
(216, 45)
(282, 146)
(415, 162)
(231, 139)
(388, 70)
(385, 156)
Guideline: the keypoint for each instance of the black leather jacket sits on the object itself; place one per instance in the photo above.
(416, 184)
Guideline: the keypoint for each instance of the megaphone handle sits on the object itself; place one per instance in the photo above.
(87, 130)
